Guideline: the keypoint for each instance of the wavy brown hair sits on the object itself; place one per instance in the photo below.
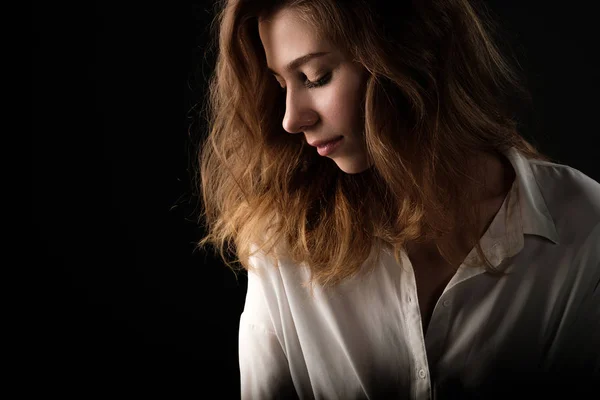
(439, 92)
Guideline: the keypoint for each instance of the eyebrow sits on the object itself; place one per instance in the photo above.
(300, 61)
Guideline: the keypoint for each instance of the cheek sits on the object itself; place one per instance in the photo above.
(340, 106)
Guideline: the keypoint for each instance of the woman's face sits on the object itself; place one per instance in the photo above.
(323, 91)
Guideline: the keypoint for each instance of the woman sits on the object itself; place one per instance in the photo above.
(428, 250)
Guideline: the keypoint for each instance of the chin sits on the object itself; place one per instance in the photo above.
(353, 169)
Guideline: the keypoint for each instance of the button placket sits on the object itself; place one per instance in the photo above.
(415, 335)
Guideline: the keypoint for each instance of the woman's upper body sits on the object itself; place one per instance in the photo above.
(435, 275)
(490, 336)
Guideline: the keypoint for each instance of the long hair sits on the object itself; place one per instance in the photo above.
(438, 93)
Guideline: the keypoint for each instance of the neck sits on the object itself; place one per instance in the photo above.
(500, 176)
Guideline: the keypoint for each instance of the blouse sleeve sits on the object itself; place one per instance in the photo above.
(264, 368)
(577, 357)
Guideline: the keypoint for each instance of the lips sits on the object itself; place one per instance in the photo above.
(323, 142)
(329, 147)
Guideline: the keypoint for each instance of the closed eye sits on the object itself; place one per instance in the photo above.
(320, 82)
(314, 84)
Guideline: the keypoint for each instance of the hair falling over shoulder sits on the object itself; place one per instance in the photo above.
(438, 92)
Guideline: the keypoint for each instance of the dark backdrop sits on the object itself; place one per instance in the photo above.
(123, 304)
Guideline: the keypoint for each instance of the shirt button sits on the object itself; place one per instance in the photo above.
(446, 303)
(422, 373)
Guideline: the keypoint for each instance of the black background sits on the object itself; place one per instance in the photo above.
(125, 305)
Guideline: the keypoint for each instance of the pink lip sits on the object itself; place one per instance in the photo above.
(329, 147)
(319, 143)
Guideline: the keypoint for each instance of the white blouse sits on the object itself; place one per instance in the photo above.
(536, 328)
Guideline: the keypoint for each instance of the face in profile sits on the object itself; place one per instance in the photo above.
(323, 89)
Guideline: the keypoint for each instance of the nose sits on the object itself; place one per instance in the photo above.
(299, 114)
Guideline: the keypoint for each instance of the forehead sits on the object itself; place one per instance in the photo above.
(285, 36)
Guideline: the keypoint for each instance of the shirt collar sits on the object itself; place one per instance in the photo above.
(523, 211)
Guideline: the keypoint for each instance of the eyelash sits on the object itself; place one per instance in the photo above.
(318, 83)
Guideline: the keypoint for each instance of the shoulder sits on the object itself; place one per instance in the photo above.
(566, 177)
(573, 202)
(275, 272)
(569, 203)
(562, 177)
(571, 196)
